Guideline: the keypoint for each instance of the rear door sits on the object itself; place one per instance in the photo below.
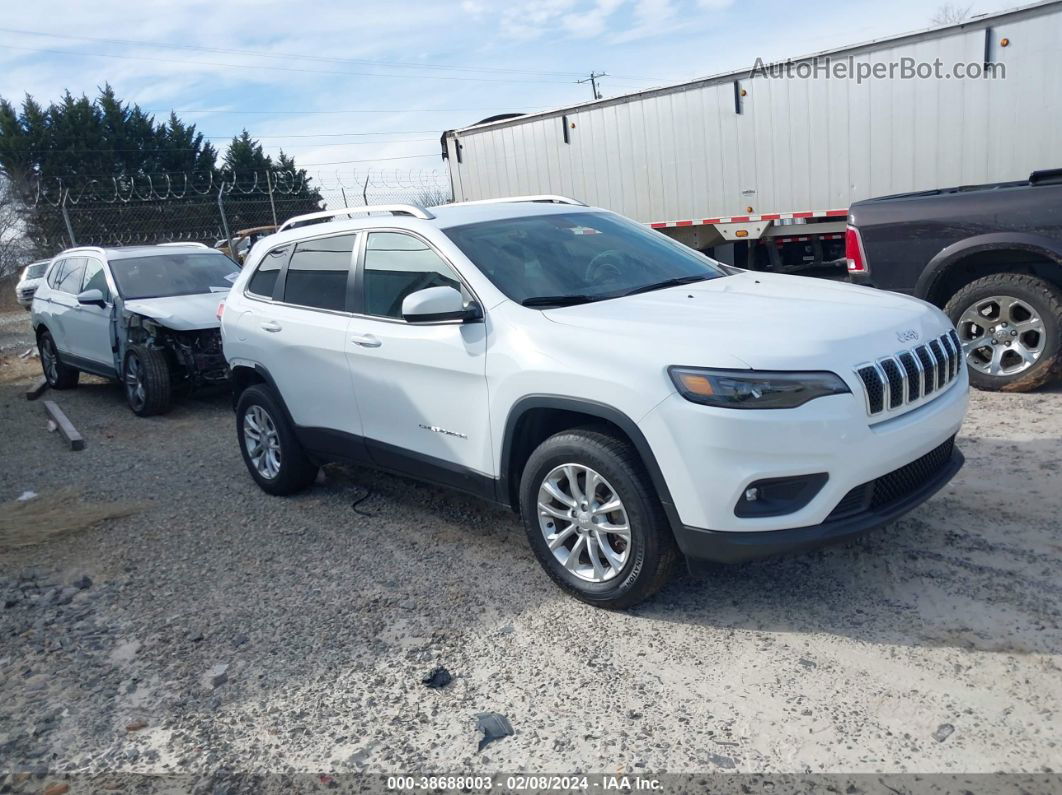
(63, 304)
(422, 387)
(298, 333)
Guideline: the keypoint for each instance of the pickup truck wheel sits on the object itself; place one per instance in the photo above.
(146, 376)
(593, 519)
(58, 375)
(1010, 327)
(268, 444)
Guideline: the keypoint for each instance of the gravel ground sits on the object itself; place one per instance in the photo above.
(221, 627)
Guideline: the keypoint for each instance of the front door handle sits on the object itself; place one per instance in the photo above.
(366, 340)
(271, 326)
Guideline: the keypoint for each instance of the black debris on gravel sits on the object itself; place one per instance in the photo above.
(437, 679)
(494, 726)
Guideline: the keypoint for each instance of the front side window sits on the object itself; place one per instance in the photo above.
(264, 279)
(318, 271)
(396, 265)
(70, 278)
(570, 258)
(96, 278)
(177, 273)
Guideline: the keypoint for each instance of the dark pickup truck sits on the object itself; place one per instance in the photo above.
(989, 255)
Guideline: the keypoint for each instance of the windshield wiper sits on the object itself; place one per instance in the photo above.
(678, 280)
(559, 300)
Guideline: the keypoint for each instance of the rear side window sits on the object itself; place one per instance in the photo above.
(396, 265)
(55, 273)
(70, 279)
(317, 273)
(265, 277)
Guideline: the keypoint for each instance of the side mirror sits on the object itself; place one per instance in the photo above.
(436, 304)
(92, 296)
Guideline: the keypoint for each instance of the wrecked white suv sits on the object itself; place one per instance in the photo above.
(632, 398)
(145, 315)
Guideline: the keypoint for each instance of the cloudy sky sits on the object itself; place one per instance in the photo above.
(349, 85)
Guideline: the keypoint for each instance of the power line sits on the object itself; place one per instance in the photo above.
(317, 112)
(258, 67)
(322, 58)
(148, 151)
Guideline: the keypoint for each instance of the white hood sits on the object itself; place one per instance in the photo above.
(180, 312)
(769, 321)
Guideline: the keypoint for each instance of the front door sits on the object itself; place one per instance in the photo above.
(421, 388)
(89, 326)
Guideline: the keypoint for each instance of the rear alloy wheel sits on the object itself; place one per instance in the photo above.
(1009, 328)
(268, 443)
(57, 374)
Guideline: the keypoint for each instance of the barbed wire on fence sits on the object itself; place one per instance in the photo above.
(60, 212)
(165, 186)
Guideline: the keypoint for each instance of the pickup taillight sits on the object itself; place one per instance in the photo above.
(853, 251)
(221, 309)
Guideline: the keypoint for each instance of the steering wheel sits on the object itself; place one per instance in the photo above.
(608, 265)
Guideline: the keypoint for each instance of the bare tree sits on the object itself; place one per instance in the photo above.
(949, 14)
(14, 247)
(432, 196)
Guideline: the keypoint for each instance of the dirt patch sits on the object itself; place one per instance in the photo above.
(42, 518)
(18, 369)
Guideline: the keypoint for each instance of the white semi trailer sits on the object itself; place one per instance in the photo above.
(759, 166)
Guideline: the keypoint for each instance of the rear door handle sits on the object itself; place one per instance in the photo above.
(366, 340)
(271, 326)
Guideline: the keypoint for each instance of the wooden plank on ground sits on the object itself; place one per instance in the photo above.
(37, 389)
(66, 428)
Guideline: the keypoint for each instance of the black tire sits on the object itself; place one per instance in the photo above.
(146, 378)
(57, 374)
(652, 552)
(295, 471)
(1044, 298)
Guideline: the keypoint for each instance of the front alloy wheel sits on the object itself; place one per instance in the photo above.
(584, 522)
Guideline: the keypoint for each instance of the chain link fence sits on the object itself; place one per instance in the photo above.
(175, 208)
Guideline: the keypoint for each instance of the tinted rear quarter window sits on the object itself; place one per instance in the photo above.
(265, 276)
(318, 271)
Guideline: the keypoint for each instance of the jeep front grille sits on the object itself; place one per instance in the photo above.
(910, 376)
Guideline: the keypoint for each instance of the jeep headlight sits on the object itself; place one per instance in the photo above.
(754, 389)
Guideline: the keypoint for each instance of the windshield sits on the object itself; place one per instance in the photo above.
(560, 259)
(36, 270)
(179, 273)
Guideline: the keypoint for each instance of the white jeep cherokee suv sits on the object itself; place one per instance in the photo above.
(631, 398)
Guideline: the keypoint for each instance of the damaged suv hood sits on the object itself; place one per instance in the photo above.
(180, 312)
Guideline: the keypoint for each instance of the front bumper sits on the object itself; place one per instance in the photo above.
(723, 547)
(708, 457)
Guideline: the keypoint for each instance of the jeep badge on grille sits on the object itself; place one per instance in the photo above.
(907, 335)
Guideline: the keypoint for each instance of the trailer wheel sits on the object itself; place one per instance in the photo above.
(1010, 327)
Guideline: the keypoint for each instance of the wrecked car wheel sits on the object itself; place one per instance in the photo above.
(147, 381)
(58, 375)
(270, 450)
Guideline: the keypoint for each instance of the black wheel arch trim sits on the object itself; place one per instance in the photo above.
(597, 410)
(935, 270)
